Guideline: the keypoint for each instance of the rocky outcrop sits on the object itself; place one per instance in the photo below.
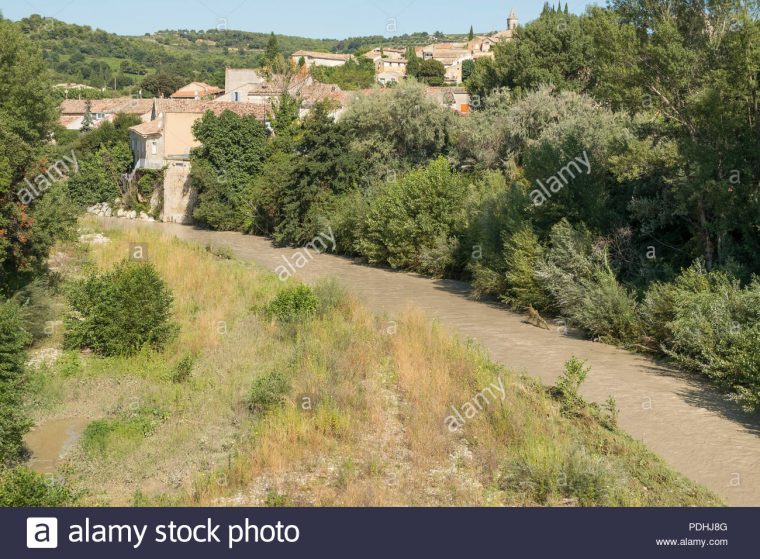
(104, 209)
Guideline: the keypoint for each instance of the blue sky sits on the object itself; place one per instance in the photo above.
(309, 18)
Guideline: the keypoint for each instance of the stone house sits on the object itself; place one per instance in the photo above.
(313, 58)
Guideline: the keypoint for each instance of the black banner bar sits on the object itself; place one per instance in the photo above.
(383, 533)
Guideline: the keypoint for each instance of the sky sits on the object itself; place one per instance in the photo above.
(335, 19)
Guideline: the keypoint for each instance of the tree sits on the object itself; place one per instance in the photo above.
(413, 62)
(325, 168)
(471, 34)
(468, 67)
(232, 153)
(411, 214)
(162, 84)
(403, 127)
(272, 50)
(432, 72)
(555, 49)
(13, 421)
(27, 115)
(87, 121)
(695, 73)
(352, 75)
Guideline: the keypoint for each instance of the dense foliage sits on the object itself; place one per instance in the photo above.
(232, 152)
(13, 423)
(21, 487)
(120, 311)
(582, 186)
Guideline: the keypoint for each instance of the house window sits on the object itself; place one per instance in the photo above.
(236, 96)
(153, 148)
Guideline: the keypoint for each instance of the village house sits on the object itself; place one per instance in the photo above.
(391, 63)
(455, 98)
(166, 141)
(301, 86)
(198, 91)
(396, 66)
(313, 58)
(382, 52)
(239, 82)
(102, 110)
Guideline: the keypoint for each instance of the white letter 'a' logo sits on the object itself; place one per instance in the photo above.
(41, 533)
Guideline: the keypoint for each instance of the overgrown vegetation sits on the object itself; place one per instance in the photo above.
(579, 184)
(344, 390)
(120, 311)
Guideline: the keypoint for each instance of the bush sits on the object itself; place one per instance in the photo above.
(13, 421)
(21, 487)
(414, 216)
(120, 311)
(268, 392)
(570, 382)
(522, 252)
(710, 324)
(183, 369)
(585, 289)
(121, 435)
(35, 303)
(294, 303)
(331, 295)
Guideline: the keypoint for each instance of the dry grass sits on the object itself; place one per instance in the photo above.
(377, 434)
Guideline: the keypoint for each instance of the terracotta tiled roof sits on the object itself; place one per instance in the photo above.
(324, 55)
(148, 128)
(115, 105)
(217, 107)
(201, 89)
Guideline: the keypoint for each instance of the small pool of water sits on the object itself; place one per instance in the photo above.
(50, 442)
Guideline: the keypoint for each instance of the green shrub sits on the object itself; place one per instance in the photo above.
(294, 303)
(13, 421)
(583, 287)
(121, 435)
(36, 306)
(69, 364)
(414, 216)
(569, 384)
(183, 369)
(711, 324)
(21, 487)
(120, 311)
(522, 252)
(268, 392)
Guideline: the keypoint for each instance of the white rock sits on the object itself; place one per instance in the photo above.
(46, 357)
(94, 239)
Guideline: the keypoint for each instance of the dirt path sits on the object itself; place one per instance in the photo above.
(684, 421)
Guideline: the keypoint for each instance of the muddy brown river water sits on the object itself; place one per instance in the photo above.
(51, 441)
(682, 419)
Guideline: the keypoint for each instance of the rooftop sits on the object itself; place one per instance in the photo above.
(323, 55)
(200, 89)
